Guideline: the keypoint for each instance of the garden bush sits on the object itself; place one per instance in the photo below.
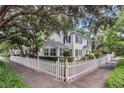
(119, 50)
(89, 56)
(104, 50)
(98, 54)
(5, 54)
(49, 58)
(61, 59)
(116, 79)
(70, 59)
(9, 79)
(67, 54)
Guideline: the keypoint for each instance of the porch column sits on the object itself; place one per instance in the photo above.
(49, 51)
(57, 52)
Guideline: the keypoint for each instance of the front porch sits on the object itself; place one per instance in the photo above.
(53, 52)
(53, 49)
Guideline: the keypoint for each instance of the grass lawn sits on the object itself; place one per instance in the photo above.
(116, 79)
(9, 79)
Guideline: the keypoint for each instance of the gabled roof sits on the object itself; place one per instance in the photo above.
(55, 44)
(72, 32)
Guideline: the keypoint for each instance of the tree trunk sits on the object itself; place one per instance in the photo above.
(22, 52)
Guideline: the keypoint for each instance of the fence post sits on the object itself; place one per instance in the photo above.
(58, 68)
(66, 70)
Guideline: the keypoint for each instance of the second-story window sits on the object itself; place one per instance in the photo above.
(80, 40)
(64, 39)
(69, 39)
(76, 39)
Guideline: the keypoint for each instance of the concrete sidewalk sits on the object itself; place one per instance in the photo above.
(94, 79)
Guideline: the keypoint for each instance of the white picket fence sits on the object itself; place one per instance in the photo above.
(66, 71)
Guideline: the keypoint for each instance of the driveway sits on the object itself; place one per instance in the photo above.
(36, 79)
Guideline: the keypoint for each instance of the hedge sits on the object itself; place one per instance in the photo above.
(116, 79)
(9, 79)
(62, 59)
(98, 54)
(5, 55)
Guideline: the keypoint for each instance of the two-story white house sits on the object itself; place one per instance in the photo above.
(56, 44)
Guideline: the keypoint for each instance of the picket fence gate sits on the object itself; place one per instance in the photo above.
(66, 71)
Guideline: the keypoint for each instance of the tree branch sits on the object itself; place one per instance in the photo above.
(7, 37)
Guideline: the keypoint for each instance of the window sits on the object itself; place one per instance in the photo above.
(69, 38)
(76, 39)
(80, 52)
(76, 52)
(61, 52)
(46, 52)
(80, 40)
(87, 42)
(53, 52)
(64, 39)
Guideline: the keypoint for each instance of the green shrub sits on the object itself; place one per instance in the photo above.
(70, 59)
(61, 59)
(5, 54)
(49, 58)
(116, 79)
(103, 50)
(9, 79)
(98, 54)
(119, 49)
(89, 56)
(67, 54)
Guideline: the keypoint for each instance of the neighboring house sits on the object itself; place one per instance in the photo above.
(56, 44)
(17, 51)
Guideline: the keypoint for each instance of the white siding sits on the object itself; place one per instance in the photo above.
(57, 37)
(72, 45)
(84, 42)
